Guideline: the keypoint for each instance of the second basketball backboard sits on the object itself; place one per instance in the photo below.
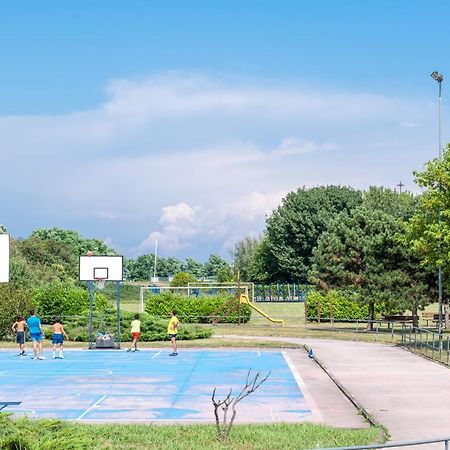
(4, 258)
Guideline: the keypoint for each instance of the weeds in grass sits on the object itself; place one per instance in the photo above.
(26, 434)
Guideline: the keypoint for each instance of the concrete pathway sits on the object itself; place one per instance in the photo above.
(406, 393)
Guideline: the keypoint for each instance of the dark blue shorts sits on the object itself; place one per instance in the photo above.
(172, 336)
(36, 337)
(57, 339)
(20, 337)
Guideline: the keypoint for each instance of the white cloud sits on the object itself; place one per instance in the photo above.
(410, 124)
(183, 227)
(220, 152)
(292, 146)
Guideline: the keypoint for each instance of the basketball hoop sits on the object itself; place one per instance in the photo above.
(100, 283)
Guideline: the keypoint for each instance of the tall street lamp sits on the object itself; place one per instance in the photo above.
(439, 78)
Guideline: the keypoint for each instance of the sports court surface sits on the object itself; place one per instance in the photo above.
(150, 386)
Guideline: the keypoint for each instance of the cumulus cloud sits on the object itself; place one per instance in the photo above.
(183, 227)
(195, 161)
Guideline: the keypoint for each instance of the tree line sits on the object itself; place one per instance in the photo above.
(52, 254)
(378, 245)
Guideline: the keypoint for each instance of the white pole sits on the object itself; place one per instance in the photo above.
(156, 252)
(141, 295)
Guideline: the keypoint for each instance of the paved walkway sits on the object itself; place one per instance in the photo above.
(406, 393)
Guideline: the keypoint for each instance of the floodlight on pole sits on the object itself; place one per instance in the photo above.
(439, 78)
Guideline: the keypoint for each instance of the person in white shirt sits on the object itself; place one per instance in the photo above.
(135, 332)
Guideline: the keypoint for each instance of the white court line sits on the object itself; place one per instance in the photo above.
(154, 356)
(91, 407)
(303, 388)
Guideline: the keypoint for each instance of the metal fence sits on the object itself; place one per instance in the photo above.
(444, 441)
(430, 344)
(280, 292)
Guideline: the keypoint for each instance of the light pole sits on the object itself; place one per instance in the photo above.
(439, 78)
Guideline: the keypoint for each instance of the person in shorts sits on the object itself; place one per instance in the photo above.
(135, 332)
(19, 328)
(36, 334)
(57, 338)
(172, 330)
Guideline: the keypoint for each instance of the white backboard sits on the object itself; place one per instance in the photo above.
(109, 268)
(4, 258)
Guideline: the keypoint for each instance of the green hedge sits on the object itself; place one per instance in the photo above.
(343, 306)
(195, 310)
(152, 328)
(65, 299)
(14, 301)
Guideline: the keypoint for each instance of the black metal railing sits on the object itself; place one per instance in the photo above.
(445, 441)
(430, 344)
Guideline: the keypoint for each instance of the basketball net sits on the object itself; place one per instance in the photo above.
(100, 283)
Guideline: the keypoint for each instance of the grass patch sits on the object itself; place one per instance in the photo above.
(58, 435)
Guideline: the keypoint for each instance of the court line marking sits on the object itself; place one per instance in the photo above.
(91, 407)
(23, 374)
(154, 356)
(309, 400)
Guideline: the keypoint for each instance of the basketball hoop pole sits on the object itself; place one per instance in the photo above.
(90, 285)
(118, 313)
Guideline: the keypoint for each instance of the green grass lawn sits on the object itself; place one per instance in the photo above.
(27, 434)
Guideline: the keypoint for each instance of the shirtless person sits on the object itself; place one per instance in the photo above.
(57, 338)
(19, 328)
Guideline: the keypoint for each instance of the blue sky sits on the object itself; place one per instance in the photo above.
(187, 122)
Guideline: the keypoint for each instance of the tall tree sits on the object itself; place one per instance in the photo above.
(193, 267)
(364, 254)
(263, 266)
(213, 265)
(73, 239)
(243, 254)
(428, 231)
(140, 268)
(296, 225)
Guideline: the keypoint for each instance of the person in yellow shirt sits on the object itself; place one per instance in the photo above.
(135, 332)
(172, 330)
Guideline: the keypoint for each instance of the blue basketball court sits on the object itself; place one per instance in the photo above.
(149, 386)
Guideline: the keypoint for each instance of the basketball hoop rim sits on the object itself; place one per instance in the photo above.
(100, 282)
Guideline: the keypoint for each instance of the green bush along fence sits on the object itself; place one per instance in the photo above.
(198, 310)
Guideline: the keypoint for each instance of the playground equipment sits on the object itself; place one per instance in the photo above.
(225, 310)
(244, 299)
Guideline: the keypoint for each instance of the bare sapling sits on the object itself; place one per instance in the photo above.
(223, 408)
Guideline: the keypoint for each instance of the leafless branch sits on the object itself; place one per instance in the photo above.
(251, 385)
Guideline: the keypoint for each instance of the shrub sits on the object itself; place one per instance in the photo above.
(342, 305)
(197, 310)
(182, 279)
(65, 299)
(152, 328)
(14, 300)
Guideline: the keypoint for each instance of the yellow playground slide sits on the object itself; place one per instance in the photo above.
(244, 299)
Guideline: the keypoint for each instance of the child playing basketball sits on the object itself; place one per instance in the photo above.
(19, 328)
(135, 332)
(57, 338)
(36, 334)
(172, 330)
